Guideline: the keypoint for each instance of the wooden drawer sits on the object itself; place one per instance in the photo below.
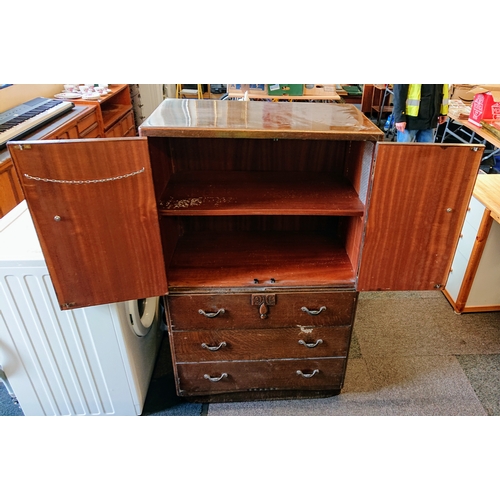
(293, 342)
(86, 123)
(242, 311)
(71, 133)
(127, 123)
(306, 374)
(91, 133)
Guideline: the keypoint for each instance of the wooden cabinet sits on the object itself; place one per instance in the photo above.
(474, 276)
(259, 222)
(81, 122)
(114, 112)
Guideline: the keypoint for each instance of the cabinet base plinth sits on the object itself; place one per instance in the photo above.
(246, 396)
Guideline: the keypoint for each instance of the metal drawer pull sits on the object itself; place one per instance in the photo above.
(213, 348)
(306, 375)
(303, 342)
(211, 315)
(313, 313)
(215, 379)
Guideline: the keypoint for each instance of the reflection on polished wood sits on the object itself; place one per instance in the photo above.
(255, 119)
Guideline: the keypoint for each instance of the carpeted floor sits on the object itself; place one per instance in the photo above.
(410, 355)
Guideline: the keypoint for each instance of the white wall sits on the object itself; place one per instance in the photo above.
(18, 93)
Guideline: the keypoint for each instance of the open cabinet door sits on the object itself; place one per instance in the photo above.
(94, 210)
(420, 193)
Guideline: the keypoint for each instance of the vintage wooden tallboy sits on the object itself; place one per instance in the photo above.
(259, 222)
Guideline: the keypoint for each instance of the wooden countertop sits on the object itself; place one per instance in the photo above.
(259, 120)
(459, 112)
(487, 191)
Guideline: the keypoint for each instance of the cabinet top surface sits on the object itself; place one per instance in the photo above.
(256, 119)
(487, 191)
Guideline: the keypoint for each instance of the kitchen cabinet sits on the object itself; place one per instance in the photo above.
(259, 222)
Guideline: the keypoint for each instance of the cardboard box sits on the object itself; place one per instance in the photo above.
(462, 91)
(319, 89)
(252, 88)
(486, 104)
(285, 89)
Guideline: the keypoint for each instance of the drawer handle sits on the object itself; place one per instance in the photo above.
(307, 375)
(213, 348)
(211, 315)
(313, 313)
(214, 379)
(317, 343)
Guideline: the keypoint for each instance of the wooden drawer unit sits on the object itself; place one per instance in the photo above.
(223, 377)
(260, 310)
(298, 342)
(88, 126)
(249, 336)
(260, 222)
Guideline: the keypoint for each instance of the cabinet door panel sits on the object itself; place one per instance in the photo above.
(420, 193)
(93, 206)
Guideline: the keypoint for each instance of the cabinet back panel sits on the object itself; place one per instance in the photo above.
(258, 154)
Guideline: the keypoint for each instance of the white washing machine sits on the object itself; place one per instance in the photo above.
(89, 361)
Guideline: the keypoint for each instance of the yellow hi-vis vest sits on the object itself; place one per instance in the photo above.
(413, 99)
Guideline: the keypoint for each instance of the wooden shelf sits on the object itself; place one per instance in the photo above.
(259, 193)
(112, 113)
(235, 259)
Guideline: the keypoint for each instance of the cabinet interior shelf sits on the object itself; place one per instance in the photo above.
(259, 193)
(235, 259)
(111, 113)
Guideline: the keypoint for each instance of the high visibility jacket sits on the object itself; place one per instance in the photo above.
(413, 99)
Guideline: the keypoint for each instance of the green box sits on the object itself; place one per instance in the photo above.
(285, 89)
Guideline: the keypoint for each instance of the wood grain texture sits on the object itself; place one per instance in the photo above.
(245, 119)
(256, 193)
(474, 261)
(106, 246)
(418, 202)
(487, 191)
(280, 343)
(235, 259)
(260, 375)
(256, 155)
(240, 313)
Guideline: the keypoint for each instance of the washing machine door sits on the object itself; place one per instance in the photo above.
(143, 315)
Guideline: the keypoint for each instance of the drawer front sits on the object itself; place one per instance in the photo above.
(91, 133)
(86, 123)
(127, 123)
(456, 275)
(475, 213)
(223, 377)
(467, 240)
(280, 343)
(261, 310)
(71, 133)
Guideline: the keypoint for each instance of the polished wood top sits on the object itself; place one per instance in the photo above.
(487, 191)
(259, 120)
(307, 97)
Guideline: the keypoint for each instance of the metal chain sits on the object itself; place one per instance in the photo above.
(89, 181)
